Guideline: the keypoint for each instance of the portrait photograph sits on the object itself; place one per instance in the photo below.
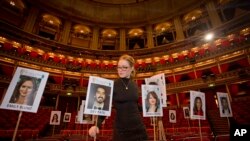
(224, 105)
(55, 117)
(159, 80)
(67, 117)
(172, 116)
(84, 118)
(77, 120)
(197, 105)
(99, 96)
(152, 106)
(186, 112)
(25, 90)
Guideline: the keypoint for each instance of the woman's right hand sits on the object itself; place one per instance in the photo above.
(93, 131)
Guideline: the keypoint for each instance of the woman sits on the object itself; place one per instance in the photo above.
(197, 109)
(54, 118)
(24, 92)
(128, 124)
(152, 102)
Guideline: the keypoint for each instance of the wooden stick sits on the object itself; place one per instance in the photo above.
(53, 130)
(228, 122)
(200, 129)
(17, 125)
(87, 136)
(96, 120)
(154, 129)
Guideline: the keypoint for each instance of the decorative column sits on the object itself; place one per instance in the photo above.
(122, 40)
(178, 29)
(177, 97)
(66, 32)
(57, 101)
(150, 41)
(195, 74)
(31, 20)
(94, 43)
(212, 13)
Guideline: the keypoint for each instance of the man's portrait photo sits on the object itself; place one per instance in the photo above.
(224, 105)
(99, 98)
(67, 117)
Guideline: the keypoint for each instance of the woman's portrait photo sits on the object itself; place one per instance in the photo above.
(55, 117)
(186, 112)
(25, 90)
(224, 105)
(198, 106)
(172, 116)
(151, 102)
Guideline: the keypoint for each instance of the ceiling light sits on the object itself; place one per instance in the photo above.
(50, 21)
(209, 36)
(12, 3)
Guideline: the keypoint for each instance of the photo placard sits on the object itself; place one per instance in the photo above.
(99, 96)
(25, 90)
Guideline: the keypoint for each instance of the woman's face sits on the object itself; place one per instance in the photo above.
(152, 100)
(124, 69)
(198, 104)
(26, 88)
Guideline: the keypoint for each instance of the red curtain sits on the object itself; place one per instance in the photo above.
(33, 54)
(191, 75)
(198, 73)
(85, 82)
(191, 54)
(215, 70)
(181, 57)
(162, 61)
(170, 79)
(139, 82)
(7, 46)
(102, 65)
(171, 59)
(143, 64)
(110, 65)
(224, 67)
(56, 59)
(172, 99)
(225, 43)
(177, 78)
(182, 97)
(45, 56)
(234, 89)
(21, 50)
(243, 62)
(7, 70)
(202, 51)
(58, 79)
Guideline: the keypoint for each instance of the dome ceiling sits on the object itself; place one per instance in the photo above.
(118, 13)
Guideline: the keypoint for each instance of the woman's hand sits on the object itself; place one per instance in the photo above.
(93, 131)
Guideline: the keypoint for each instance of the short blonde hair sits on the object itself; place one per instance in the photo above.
(131, 62)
